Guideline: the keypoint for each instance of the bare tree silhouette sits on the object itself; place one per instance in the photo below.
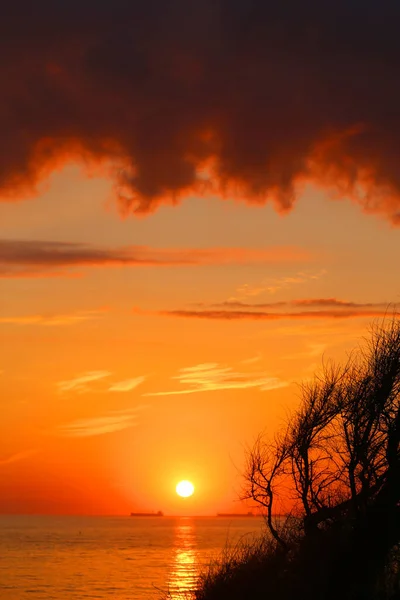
(338, 462)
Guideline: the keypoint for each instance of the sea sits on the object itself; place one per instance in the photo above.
(118, 558)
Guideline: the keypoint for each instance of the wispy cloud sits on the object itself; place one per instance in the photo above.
(94, 381)
(208, 377)
(108, 423)
(312, 350)
(127, 385)
(54, 319)
(336, 303)
(299, 309)
(252, 360)
(237, 315)
(80, 383)
(325, 303)
(17, 456)
(27, 258)
(271, 286)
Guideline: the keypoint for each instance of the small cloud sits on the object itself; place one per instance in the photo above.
(96, 426)
(127, 385)
(207, 377)
(55, 319)
(312, 350)
(130, 411)
(252, 360)
(17, 457)
(80, 383)
(335, 303)
(252, 313)
(304, 303)
(113, 421)
(35, 258)
(271, 286)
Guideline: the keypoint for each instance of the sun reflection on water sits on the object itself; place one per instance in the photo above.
(183, 573)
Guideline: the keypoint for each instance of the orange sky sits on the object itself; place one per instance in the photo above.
(136, 352)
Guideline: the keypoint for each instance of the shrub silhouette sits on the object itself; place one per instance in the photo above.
(338, 464)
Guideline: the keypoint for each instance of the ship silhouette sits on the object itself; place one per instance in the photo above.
(248, 514)
(147, 514)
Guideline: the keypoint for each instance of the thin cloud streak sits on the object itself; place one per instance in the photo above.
(252, 360)
(53, 320)
(26, 258)
(306, 302)
(312, 350)
(334, 302)
(18, 456)
(127, 385)
(109, 423)
(210, 377)
(236, 315)
(272, 286)
(80, 384)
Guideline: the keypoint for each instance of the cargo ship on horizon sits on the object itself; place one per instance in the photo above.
(248, 514)
(147, 514)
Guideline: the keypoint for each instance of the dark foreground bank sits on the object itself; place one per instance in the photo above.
(317, 569)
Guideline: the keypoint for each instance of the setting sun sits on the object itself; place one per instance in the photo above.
(185, 489)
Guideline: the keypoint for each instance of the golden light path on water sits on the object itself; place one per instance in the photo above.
(184, 570)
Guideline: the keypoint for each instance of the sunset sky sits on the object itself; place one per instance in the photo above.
(188, 223)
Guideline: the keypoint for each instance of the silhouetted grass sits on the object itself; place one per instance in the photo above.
(245, 558)
(240, 570)
(312, 570)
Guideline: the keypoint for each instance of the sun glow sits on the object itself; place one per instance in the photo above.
(185, 489)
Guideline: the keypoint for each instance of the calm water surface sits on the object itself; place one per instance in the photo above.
(60, 558)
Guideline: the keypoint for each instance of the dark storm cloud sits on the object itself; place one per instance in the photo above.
(244, 98)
